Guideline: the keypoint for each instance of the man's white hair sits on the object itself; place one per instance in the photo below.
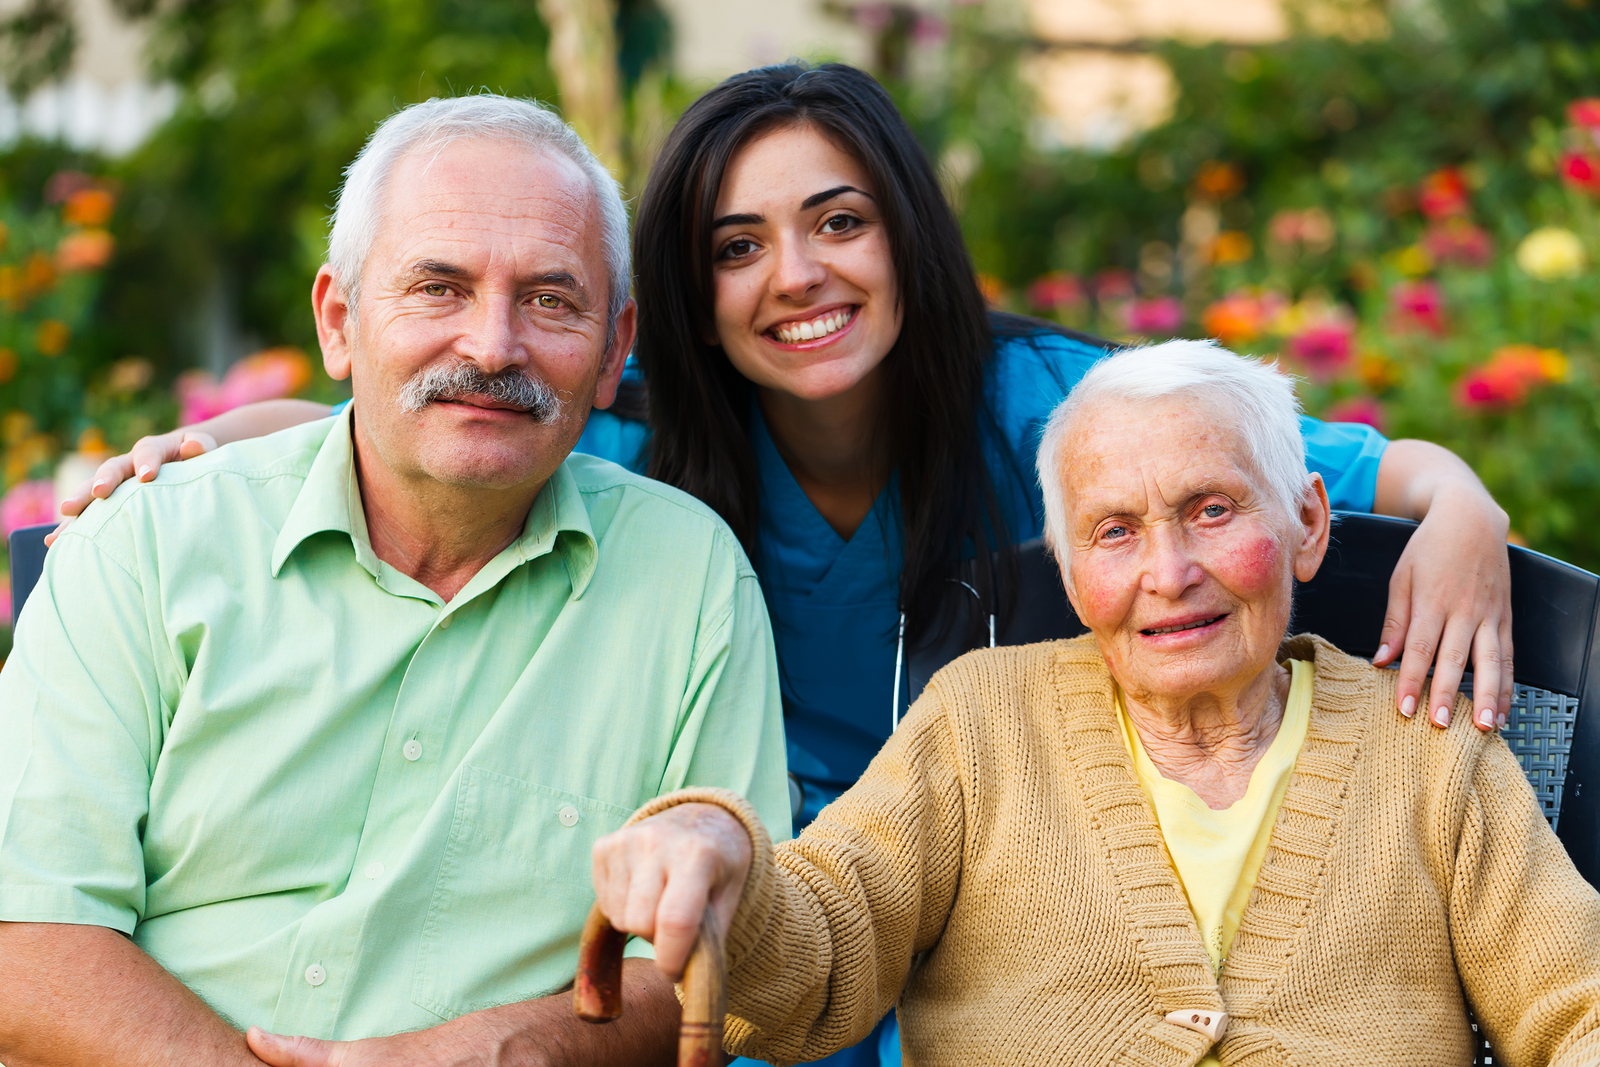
(1257, 398)
(431, 127)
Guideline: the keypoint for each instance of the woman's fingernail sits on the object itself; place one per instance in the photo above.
(96, 487)
(1501, 721)
(1383, 653)
(1408, 707)
(1441, 715)
(144, 470)
(1486, 718)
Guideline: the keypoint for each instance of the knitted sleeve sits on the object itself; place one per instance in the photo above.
(1525, 925)
(824, 939)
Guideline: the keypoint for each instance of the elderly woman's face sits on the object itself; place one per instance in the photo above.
(1179, 559)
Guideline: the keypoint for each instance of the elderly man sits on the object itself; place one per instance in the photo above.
(1178, 839)
(313, 736)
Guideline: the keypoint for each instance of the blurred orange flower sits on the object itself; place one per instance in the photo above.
(1231, 246)
(84, 250)
(89, 207)
(1218, 181)
(52, 336)
(8, 365)
(38, 275)
(1238, 317)
(1377, 371)
(10, 283)
(1443, 193)
(992, 288)
(1510, 374)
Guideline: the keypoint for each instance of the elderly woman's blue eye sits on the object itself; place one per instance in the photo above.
(1214, 510)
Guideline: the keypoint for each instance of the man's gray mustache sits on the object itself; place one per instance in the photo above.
(450, 381)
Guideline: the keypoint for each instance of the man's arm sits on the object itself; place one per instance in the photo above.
(534, 1033)
(107, 1002)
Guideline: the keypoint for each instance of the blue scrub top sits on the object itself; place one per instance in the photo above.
(834, 603)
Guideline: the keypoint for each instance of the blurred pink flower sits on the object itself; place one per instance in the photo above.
(5, 600)
(1512, 372)
(28, 504)
(1055, 290)
(873, 17)
(268, 375)
(1459, 242)
(1419, 304)
(1112, 284)
(1356, 409)
(1443, 194)
(1581, 172)
(1324, 347)
(1585, 112)
(929, 30)
(1162, 314)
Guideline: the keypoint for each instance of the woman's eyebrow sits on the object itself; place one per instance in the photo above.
(828, 194)
(738, 220)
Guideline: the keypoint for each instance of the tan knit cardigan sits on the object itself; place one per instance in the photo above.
(999, 873)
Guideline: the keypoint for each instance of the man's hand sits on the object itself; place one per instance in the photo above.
(654, 878)
(534, 1033)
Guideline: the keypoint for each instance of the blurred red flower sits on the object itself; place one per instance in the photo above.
(1356, 409)
(1162, 314)
(1507, 378)
(1055, 290)
(1458, 241)
(1585, 112)
(1324, 347)
(1418, 304)
(1581, 172)
(1443, 194)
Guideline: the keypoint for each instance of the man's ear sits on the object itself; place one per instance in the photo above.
(332, 312)
(1316, 518)
(605, 386)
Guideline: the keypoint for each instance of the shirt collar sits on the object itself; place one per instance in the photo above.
(330, 500)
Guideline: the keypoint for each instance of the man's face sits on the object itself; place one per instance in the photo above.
(480, 343)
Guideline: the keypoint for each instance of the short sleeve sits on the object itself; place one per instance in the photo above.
(1347, 455)
(81, 722)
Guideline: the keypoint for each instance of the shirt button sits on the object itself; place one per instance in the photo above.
(568, 815)
(444, 623)
(315, 975)
(412, 750)
(374, 870)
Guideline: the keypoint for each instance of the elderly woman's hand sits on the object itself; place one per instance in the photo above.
(1450, 596)
(654, 878)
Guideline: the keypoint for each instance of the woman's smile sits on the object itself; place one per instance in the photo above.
(815, 330)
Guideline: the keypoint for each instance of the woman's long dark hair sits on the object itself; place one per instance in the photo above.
(934, 396)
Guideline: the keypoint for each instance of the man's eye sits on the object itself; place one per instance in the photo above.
(548, 300)
(436, 289)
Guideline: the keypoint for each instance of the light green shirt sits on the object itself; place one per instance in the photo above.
(325, 800)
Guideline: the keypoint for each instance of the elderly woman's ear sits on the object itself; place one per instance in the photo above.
(1316, 515)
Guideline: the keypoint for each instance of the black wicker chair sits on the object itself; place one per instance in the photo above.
(1554, 610)
(27, 563)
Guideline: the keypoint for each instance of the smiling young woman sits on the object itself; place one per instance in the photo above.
(820, 368)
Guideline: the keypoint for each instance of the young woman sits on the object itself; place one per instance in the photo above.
(821, 370)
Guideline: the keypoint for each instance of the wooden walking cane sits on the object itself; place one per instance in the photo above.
(597, 994)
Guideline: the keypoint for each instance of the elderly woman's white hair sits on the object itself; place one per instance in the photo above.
(433, 125)
(1257, 398)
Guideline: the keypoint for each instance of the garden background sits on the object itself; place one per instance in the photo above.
(1401, 200)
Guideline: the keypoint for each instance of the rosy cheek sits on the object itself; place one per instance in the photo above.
(1102, 592)
(1252, 566)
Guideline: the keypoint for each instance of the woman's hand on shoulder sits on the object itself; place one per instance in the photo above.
(1450, 595)
(142, 461)
(654, 879)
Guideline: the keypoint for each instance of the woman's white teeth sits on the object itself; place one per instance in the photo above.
(1185, 626)
(793, 333)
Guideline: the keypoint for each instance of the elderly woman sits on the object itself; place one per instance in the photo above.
(1181, 838)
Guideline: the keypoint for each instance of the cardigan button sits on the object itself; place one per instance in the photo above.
(1201, 1020)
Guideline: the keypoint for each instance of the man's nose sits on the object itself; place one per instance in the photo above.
(798, 270)
(1170, 567)
(493, 336)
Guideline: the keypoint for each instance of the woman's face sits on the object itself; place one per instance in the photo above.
(1179, 559)
(806, 298)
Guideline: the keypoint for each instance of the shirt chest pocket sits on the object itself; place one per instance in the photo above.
(511, 894)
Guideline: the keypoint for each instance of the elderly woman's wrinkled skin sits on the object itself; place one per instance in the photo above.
(1168, 526)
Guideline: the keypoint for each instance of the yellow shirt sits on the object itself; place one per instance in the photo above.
(1219, 853)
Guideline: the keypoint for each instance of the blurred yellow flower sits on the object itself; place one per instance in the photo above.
(129, 375)
(14, 426)
(93, 442)
(52, 336)
(27, 454)
(8, 365)
(1378, 372)
(1551, 252)
(1413, 261)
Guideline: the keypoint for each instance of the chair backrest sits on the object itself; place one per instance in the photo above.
(1553, 605)
(27, 563)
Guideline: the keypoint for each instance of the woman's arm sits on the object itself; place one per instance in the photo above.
(1524, 924)
(813, 961)
(187, 442)
(1450, 595)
